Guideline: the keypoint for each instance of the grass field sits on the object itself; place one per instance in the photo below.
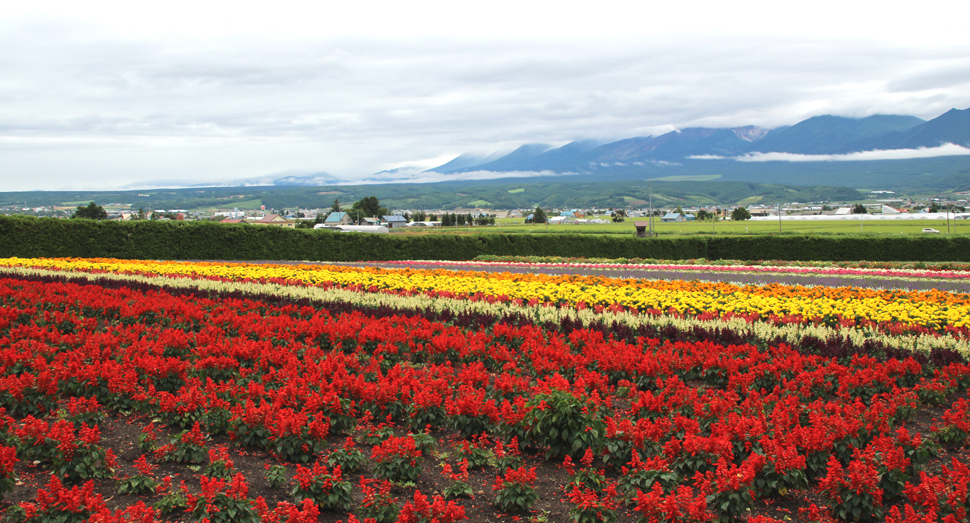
(509, 225)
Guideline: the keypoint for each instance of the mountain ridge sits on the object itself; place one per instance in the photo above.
(818, 135)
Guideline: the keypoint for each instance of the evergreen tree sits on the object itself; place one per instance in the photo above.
(740, 214)
(91, 211)
(539, 216)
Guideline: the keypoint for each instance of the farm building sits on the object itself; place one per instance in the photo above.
(338, 218)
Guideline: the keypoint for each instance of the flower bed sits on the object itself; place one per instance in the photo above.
(661, 423)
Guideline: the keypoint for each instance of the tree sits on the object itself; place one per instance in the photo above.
(934, 207)
(309, 224)
(539, 216)
(92, 211)
(619, 216)
(859, 209)
(703, 215)
(336, 206)
(740, 214)
(369, 207)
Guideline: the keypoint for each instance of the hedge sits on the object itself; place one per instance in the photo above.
(47, 237)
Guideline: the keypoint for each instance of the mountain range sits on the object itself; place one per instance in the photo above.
(819, 135)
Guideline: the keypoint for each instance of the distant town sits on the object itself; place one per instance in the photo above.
(881, 205)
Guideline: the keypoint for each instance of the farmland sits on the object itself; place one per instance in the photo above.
(870, 227)
(190, 391)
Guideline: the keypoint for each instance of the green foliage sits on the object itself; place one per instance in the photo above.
(219, 469)
(137, 485)
(539, 215)
(91, 211)
(297, 449)
(47, 237)
(369, 207)
(475, 453)
(275, 475)
(230, 506)
(740, 214)
(324, 487)
(516, 497)
(187, 446)
(173, 500)
(87, 461)
(348, 457)
(563, 423)
(396, 459)
(423, 441)
(378, 503)
(458, 489)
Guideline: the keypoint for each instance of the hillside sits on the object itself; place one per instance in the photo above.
(558, 192)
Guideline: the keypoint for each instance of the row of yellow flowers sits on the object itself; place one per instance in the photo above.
(932, 309)
(767, 332)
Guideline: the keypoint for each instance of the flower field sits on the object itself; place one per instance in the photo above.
(202, 391)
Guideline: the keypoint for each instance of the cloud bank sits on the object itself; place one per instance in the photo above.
(102, 94)
(947, 149)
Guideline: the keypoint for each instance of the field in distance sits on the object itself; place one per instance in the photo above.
(516, 225)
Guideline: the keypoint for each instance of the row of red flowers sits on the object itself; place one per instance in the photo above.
(693, 428)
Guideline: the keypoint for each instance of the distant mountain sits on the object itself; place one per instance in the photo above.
(829, 134)
(952, 126)
(467, 161)
(674, 146)
(510, 162)
(583, 155)
(565, 157)
(304, 180)
(687, 148)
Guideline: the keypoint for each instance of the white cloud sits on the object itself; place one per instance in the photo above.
(111, 93)
(947, 149)
(406, 175)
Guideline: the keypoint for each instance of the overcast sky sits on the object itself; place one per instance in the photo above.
(97, 95)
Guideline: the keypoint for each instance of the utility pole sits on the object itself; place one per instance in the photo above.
(650, 219)
(779, 218)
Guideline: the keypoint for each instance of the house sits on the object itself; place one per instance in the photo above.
(395, 221)
(338, 218)
(672, 217)
(233, 220)
(275, 220)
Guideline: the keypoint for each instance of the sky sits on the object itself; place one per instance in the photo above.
(107, 94)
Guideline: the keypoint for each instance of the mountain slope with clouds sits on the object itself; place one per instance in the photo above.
(820, 138)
